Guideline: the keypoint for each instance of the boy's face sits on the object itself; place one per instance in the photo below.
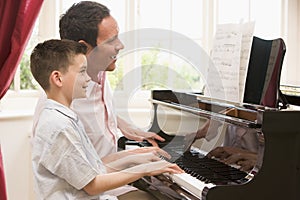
(76, 78)
(104, 55)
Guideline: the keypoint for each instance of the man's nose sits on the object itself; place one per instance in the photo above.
(119, 46)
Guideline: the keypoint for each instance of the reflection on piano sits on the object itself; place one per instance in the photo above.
(276, 175)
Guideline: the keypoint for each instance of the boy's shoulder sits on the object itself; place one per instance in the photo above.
(55, 117)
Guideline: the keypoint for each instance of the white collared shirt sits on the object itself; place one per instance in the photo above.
(99, 117)
(97, 114)
(64, 160)
(100, 121)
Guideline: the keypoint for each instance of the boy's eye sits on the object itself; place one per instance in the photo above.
(83, 71)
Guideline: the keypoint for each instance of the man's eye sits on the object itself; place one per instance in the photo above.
(109, 41)
(112, 39)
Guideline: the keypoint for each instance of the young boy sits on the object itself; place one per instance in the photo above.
(65, 163)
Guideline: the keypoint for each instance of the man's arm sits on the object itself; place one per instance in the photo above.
(133, 133)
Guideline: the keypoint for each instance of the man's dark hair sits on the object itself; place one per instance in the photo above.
(53, 55)
(81, 21)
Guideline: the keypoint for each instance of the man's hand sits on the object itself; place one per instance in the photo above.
(136, 134)
(233, 155)
(155, 150)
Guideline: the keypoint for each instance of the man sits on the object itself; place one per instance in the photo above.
(90, 23)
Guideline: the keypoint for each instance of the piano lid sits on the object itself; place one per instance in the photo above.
(246, 115)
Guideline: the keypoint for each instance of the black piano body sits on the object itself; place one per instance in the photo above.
(278, 176)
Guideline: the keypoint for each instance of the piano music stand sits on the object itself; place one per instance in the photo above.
(264, 70)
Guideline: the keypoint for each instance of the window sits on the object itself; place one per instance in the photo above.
(159, 67)
(23, 79)
(162, 66)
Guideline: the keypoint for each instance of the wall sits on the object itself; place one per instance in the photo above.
(16, 112)
(15, 145)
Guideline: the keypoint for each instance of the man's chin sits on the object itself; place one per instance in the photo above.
(111, 67)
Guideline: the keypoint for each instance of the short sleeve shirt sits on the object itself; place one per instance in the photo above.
(64, 160)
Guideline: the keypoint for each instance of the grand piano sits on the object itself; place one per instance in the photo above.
(276, 174)
(263, 124)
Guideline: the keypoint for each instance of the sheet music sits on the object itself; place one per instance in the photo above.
(247, 32)
(230, 56)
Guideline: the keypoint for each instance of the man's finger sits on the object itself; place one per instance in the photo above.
(152, 142)
(153, 136)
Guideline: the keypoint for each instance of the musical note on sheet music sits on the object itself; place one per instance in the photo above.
(230, 55)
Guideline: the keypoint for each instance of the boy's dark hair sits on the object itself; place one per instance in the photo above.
(53, 55)
(81, 21)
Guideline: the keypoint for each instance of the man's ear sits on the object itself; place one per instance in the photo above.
(89, 47)
(56, 78)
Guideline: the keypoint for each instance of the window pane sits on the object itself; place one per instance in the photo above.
(266, 14)
(267, 17)
(116, 77)
(163, 70)
(232, 11)
(24, 80)
(187, 18)
(154, 14)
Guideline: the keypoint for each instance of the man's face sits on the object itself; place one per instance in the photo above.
(104, 56)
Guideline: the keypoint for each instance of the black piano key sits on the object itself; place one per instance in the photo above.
(209, 170)
(202, 167)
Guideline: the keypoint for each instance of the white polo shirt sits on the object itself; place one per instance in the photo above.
(64, 160)
(97, 114)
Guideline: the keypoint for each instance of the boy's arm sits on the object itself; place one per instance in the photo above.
(121, 158)
(130, 161)
(104, 182)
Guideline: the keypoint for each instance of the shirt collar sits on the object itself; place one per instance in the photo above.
(101, 77)
(54, 105)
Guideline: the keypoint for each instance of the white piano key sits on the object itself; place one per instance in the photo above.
(190, 183)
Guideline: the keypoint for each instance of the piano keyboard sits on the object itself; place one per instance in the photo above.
(190, 183)
(202, 172)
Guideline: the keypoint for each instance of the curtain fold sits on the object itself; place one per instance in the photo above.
(16, 22)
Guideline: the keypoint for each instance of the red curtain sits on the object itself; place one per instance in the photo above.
(16, 22)
(17, 18)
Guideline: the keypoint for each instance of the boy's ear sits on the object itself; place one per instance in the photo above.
(56, 78)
